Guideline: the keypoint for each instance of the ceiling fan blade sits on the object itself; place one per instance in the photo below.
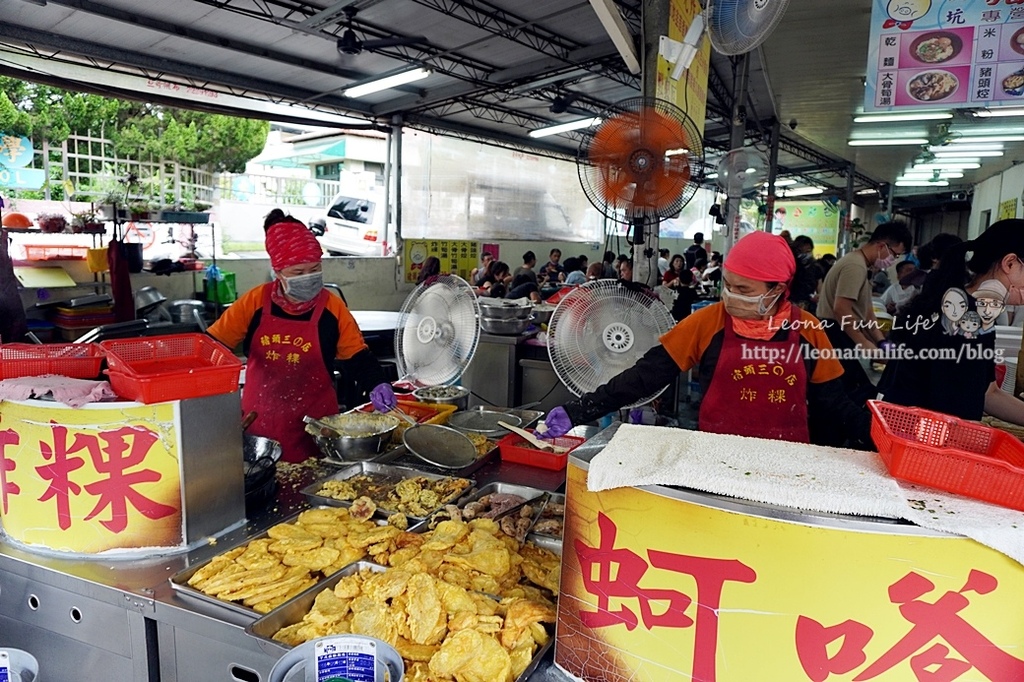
(392, 42)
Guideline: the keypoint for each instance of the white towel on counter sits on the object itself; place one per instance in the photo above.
(799, 476)
(775, 472)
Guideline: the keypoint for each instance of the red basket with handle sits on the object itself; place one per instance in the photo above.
(515, 448)
(952, 454)
(173, 367)
(75, 360)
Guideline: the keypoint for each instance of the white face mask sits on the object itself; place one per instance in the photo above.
(303, 287)
(748, 307)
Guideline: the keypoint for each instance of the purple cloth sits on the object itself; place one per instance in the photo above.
(71, 392)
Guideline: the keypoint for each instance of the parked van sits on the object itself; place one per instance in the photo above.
(356, 225)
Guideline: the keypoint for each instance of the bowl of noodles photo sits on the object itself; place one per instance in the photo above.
(1017, 41)
(932, 86)
(1014, 83)
(936, 47)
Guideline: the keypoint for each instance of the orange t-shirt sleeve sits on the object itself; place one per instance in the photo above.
(350, 339)
(825, 369)
(687, 341)
(233, 324)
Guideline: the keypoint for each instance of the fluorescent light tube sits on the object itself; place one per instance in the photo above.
(867, 191)
(947, 166)
(802, 191)
(987, 113)
(994, 138)
(965, 155)
(921, 183)
(711, 176)
(783, 182)
(386, 83)
(953, 147)
(564, 127)
(893, 118)
(885, 142)
(926, 175)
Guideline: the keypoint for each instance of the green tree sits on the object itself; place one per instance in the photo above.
(138, 130)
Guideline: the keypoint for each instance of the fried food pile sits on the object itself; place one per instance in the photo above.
(416, 496)
(265, 573)
(457, 603)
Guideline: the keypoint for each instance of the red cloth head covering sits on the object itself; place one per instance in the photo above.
(763, 257)
(289, 242)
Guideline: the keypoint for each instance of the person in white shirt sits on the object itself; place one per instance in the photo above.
(662, 262)
(900, 294)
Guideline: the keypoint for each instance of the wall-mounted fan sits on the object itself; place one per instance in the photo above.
(349, 42)
(599, 330)
(734, 27)
(641, 162)
(742, 171)
(438, 331)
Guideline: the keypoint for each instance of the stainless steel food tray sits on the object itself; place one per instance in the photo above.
(549, 542)
(293, 611)
(390, 473)
(527, 417)
(179, 581)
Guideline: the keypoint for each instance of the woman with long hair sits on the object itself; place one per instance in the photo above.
(952, 368)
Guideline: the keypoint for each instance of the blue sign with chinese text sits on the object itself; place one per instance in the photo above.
(15, 151)
(22, 178)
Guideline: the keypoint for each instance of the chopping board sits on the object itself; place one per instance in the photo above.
(45, 277)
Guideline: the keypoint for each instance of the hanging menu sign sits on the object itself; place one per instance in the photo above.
(947, 55)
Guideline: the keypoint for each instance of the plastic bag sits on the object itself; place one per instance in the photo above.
(220, 285)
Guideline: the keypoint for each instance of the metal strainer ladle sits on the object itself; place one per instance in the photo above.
(441, 446)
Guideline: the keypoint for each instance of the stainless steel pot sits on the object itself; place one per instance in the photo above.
(542, 313)
(505, 309)
(511, 327)
(148, 298)
(448, 395)
(364, 436)
(182, 310)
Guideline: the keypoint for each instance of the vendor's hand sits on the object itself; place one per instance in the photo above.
(383, 398)
(555, 425)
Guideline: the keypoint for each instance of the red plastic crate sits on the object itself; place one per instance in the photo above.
(956, 455)
(514, 448)
(55, 252)
(76, 360)
(174, 367)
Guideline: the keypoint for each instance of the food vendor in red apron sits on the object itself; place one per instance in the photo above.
(292, 330)
(758, 358)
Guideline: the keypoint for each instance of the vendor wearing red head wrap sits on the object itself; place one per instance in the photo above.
(292, 331)
(755, 355)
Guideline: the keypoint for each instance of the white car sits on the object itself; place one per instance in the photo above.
(355, 226)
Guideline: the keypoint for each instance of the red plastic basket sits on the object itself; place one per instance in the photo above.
(514, 448)
(956, 455)
(156, 369)
(76, 360)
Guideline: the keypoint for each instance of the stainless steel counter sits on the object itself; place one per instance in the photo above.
(103, 619)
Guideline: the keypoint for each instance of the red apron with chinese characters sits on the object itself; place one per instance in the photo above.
(285, 380)
(759, 398)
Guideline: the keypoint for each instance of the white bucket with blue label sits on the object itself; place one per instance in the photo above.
(18, 666)
(340, 658)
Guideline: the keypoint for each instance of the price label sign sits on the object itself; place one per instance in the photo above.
(5, 667)
(340, 659)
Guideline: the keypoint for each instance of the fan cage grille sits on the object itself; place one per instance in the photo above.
(623, 166)
(586, 341)
(438, 332)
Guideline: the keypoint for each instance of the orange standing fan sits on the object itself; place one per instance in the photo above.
(641, 162)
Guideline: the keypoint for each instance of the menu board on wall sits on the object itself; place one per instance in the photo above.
(457, 256)
(948, 55)
(1007, 209)
(809, 219)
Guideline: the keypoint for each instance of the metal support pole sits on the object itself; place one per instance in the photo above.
(773, 171)
(396, 134)
(741, 74)
(851, 173)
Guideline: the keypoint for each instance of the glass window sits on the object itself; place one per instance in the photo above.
(351, 209)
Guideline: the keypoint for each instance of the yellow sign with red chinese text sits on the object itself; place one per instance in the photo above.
(660, 589)
(88, 480)
(690, 92)
(457, 256)
(1007, 209)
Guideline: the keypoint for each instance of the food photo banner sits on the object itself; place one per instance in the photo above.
(949, 55)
